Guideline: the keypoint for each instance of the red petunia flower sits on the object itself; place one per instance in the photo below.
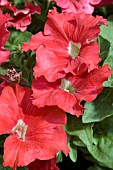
(22, 17)
(2, 85)
(2, 2)
(4, 34)
(35, 133)
(77, 6)
(7, 5)
(67, 93)
(67, 39)
(43, 165)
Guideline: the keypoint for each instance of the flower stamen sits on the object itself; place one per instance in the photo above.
(66, 85)
(74, 49)
(20, 129)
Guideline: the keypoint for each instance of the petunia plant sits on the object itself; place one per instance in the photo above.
(56, 84)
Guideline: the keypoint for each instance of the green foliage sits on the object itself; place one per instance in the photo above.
(104, 11)
(93, 133)
(79, 134)
(38, 22)
(14, 44)
(107, 32)
(73, 151)
(16, 39)
(100, 108)
(59, 157)
(103, 43)
(106, 46)
(2, 71)
(96, 137)
(95, 167)
(22, 62)
(102, 150)
(95, 140)
(75, 127)
(109, 61)
(20, 3)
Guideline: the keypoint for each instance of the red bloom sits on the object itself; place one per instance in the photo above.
(4, 55)
(2, 2)
(4, 34)
(22, 18)
(67, 39)
(77, 6)
(43, 165)
(68, 92)
(8, 5)
(35, 133)
(2, 85)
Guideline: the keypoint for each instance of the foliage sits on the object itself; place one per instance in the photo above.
(59, 61)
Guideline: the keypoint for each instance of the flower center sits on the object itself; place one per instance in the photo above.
(74, 49)
(66, 85)
(20, 129)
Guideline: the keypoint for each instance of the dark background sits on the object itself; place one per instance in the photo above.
(81, 164)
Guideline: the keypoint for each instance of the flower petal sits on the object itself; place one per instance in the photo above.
(9, 110)
(51, 94)
(43, 165)
(50, 65)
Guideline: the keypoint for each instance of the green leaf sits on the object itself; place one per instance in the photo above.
(16, 39)
(103, 55)
(25, 72)
(59, 157)
(31, 61)
(103, 43)
(87, 155)
(75, 127)
(95, 167)
(45, 6)
(109, 83)
(98, 139)
(78, 142)
(73, 151)
(109, 61)
(102, 150)
(2, 71)
(107, 32)
(38, 21)
(100, 108)
(20, 3)
(27, 76)
(107, 35)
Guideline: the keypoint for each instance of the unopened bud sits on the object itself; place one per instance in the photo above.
(13, 75)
